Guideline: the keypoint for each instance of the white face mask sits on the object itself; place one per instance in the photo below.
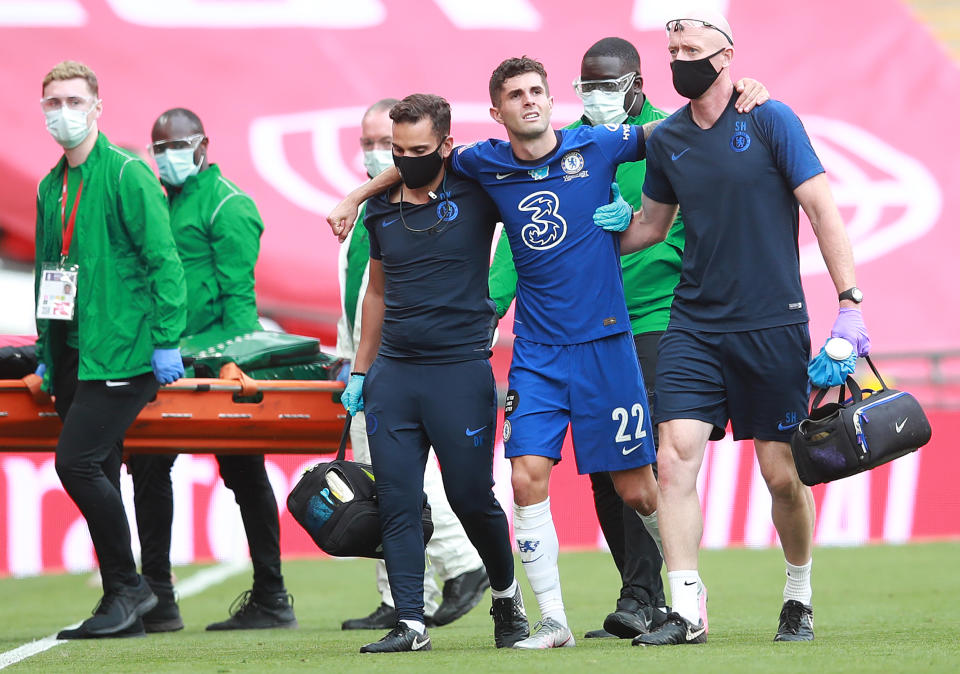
(604, 107)
(69, 127)
(377, 161)
(176, 166)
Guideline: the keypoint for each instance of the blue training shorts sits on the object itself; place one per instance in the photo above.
(595, 387)
(757, 379)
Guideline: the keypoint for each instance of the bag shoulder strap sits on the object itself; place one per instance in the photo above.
(342, 451)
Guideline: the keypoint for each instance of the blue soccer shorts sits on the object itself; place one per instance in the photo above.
(756, 379)
(594, 387)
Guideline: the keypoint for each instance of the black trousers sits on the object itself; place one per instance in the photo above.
(96, 416)
(634, 551)
(246, 476)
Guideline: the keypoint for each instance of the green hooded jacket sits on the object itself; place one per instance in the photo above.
(217, 229)
(131, 297)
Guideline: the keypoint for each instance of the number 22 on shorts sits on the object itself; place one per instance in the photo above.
(621, 416)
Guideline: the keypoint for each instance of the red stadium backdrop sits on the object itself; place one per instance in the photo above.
(281, 84)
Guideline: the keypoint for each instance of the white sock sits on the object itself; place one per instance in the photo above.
(798, 583)
(504, 594)
(415, 625)
(539, 549)
(683, 594)
(652, 524)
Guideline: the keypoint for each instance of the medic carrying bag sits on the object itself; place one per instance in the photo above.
(336, 503)
(848, 437)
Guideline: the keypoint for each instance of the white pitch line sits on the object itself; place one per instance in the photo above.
(193, 585)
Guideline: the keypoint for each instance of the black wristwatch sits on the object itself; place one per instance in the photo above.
(853, 294)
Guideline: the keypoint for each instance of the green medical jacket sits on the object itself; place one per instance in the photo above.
(131, 297)
(217, 230)
(649, 275)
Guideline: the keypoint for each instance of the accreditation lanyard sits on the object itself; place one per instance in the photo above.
(68, 225)
(57, 296)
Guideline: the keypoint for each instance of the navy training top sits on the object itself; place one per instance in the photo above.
(437, 304)
(734, 183)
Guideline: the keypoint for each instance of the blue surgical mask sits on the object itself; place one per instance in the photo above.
(176, 166)
(377, 161)
(68, 127)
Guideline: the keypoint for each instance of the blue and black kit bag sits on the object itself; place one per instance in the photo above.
(857, 434)
(336, 503)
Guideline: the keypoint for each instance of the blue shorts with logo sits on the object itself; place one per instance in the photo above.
(756, 379)
(594, 387)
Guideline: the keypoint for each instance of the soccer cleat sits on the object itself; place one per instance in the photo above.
(599, 634)
(135, 630)
(116, 611)
(796, 622)
(676, 630)
(509, 620)
(548, 634)
(383, 618)
(248, 612)
(632, 618)
(460, 595)
(401, 638)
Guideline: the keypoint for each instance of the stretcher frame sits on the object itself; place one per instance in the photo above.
(196, 416)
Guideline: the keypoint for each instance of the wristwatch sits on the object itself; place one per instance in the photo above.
(853, 294)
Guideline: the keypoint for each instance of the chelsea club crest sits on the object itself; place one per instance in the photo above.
(572, 162)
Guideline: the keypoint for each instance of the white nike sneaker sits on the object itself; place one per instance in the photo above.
(548, 634)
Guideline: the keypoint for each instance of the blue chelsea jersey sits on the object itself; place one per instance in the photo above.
(569, 287)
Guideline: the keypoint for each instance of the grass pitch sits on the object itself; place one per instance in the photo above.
(886, 608)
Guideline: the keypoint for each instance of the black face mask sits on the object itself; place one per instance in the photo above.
(691, 79)
(419, 171)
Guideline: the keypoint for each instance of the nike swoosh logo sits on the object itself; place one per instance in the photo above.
(470, 433)
(417, 644)
(390, 222)
(689, 583)
(115, 384)
(899, 426)
(630, 451)
(501, 176)
(674, 156)
(693, 634)
(530, 561)
(781, 427)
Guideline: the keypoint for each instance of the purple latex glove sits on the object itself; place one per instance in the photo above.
(849, 325)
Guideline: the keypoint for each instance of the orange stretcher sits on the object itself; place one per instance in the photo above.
(196, 416)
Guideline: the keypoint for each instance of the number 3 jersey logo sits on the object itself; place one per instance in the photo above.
(546, 228)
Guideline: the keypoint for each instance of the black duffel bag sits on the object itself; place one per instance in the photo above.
(336, 503)
(848, 437)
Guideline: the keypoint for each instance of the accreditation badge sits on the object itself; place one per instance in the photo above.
(58, 292)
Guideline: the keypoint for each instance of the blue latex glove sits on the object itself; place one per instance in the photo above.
(849, 325)
(344, 373)
(352, 396)
(825, 372)
(167, 365)
(41, 369)
(615, 216)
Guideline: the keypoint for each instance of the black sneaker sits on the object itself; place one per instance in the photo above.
(676, 630)
(460, 595)
(135, 630)
(383, 618)
(796, 622)
(599, 634)
(164, 617)
(248, 612)
(119, 609)
(401, 638)
(632, 618)
(510, 623)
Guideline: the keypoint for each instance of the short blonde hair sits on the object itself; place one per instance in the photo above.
(68, 70)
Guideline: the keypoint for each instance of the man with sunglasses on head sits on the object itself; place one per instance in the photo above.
(737, 345)
(611, 88)
(110, 312)
(217, 230)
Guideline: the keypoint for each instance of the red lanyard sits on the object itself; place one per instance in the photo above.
(68, 226)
